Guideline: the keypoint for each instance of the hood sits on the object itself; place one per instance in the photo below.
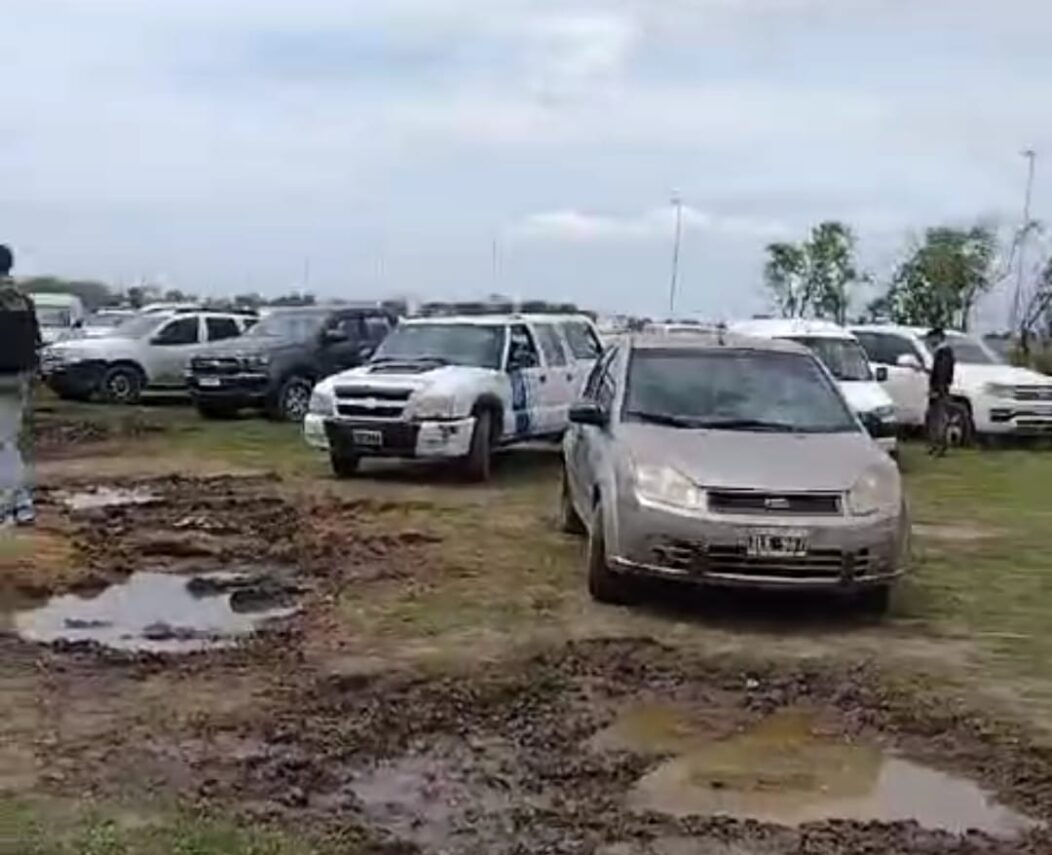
(974, 377)
(776, 462)
(864, 396)
(400, 376)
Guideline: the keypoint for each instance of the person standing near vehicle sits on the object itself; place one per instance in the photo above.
(939, 384)
(19, 341)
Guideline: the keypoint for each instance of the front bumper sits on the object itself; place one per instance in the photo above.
(246, 389)
(74, 378)
(1021, 418)
(367, 438)
(844, 554)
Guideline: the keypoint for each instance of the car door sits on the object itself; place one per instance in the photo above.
(341, 344)
(170, 348)
(558, 384)
(526, 376)
(585, 348)
(907, 386)
(579, 444)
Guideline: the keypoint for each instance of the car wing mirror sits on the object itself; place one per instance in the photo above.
(908, 360)
(881, 373)
(589, 413)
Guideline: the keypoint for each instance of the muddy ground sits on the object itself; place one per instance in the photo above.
(309, 727)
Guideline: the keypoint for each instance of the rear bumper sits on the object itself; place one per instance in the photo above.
(362, 438)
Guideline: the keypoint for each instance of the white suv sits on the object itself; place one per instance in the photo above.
(455, 388)
(151, 351)
(993, 398)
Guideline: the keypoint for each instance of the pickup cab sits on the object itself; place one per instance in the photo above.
(455, 388)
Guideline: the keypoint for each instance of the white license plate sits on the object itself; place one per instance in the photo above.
(209, 382)
(370, 438)
(777, 543)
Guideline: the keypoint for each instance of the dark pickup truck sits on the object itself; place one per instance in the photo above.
(275, 365)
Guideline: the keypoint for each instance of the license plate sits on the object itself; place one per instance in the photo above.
(778, 543)
(371, 438)
(209, 382)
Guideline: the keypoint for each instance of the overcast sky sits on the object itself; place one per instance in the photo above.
(216, 145)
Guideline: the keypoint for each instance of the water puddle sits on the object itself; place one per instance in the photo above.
(161, 612)
(786, 771)
(106, 497)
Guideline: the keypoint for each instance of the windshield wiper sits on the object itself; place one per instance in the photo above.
(748, 424)
(663, 419)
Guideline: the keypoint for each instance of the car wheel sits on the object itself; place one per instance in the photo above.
(122, 384)
(478, 465)
(216, 411)
(875, 601)
(960, 429)
(569, 519)
(604, 585)
(344, 465)
(292, 401)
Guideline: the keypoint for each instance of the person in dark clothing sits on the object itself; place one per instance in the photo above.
(19, 341)
(940, 381)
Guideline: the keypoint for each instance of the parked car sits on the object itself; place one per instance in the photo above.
(146, 352)
(992, 397)
(843, 356)
(455, 388)
(275, 365)
(60, 316)
(720, 460)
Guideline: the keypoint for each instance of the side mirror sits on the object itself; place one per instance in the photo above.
(365, 351)
(881, 374)
(333, 335)
(908, 360)
(589, 413)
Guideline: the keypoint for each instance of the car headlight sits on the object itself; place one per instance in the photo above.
(877, 490)
(664, 488)
(256, 360)
(321, 403)
(999, 390)
(434, 407)
(885, 413)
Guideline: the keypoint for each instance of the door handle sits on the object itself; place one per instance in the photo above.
(544, 378)
(569, 377)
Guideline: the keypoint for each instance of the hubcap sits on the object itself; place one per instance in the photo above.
(120, 386)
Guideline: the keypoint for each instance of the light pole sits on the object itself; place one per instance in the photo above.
(1031, 157)
(677, 203)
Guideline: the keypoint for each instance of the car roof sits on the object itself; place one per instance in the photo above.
(901, 329)
(497, 320)
(714, 341)
(780, 327)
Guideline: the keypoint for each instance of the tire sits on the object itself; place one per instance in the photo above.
(292, 400)
(122, 384)
(344, 466)
(478, 465)
(569, 519)
(875, 601)
(604, 585)
(215, 411)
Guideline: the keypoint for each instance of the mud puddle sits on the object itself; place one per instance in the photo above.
(105, 497)
(162, 613)
(786, 770)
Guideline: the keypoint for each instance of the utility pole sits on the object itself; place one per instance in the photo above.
(677, 203)
(1031, 157)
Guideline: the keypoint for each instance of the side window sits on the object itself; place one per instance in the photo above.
(591, 388)
(886, 348)
(583, 341)
(522, 351)
(179, 331)
(376, 328)
(552, 345)
(220, 328)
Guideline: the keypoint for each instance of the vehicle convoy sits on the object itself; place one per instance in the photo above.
(728, 461)
(992, 397)
(146, 352)
(59, 316)
(455, 388)
(845, 359)
(275, 365)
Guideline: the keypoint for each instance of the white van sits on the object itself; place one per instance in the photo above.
(845, 359)
(60, 315)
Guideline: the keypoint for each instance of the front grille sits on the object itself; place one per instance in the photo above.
(750, 502)
(1033, 393)
(215, 365)
(696, 558)
(371, 402)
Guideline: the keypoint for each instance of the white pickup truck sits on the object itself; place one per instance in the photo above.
(455, 388)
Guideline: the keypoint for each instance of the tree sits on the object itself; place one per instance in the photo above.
(814, 279)
(941, 279)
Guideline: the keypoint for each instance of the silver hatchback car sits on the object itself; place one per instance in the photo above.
(729, 461)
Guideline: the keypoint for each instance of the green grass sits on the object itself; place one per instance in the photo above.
(39, 827)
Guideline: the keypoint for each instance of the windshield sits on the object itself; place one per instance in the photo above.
(295, 326)
(455, 344)
(845, 358)
(969, 351)
(139, 326)
(734, 390)
(48, 317)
